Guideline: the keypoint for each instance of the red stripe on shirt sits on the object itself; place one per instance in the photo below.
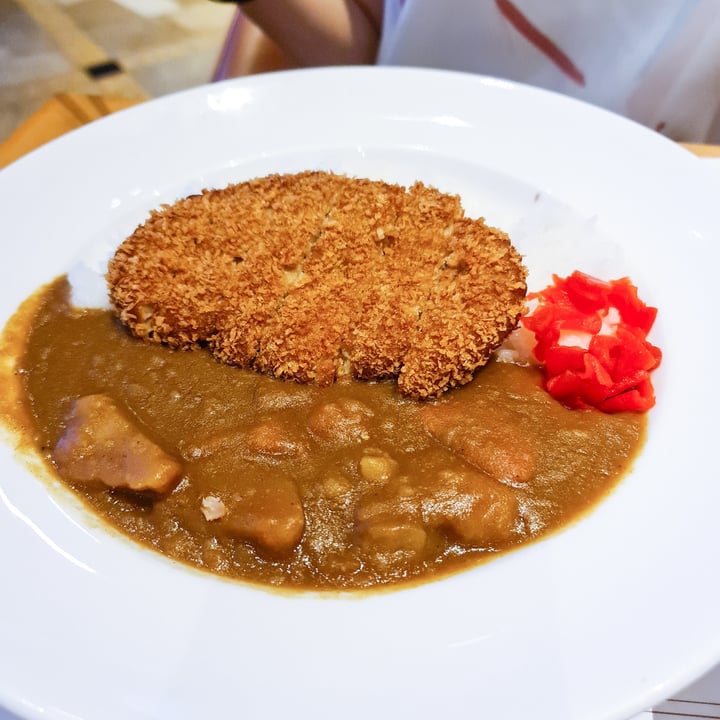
(540, 40)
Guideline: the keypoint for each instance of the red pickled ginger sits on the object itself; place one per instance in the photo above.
(591, 338)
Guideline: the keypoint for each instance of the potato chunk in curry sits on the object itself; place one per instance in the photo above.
(102, 445)
(266, 511)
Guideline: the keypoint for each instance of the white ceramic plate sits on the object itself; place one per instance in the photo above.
(599, 621)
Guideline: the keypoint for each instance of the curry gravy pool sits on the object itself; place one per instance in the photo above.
(349, 486)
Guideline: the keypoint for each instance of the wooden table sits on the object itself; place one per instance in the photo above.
(62, 113)
(67, 111)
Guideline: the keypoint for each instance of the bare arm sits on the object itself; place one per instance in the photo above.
(320, 32)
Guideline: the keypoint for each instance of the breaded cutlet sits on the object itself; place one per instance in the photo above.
(382, 334)
(281, 240)
(465, 316)
(315, 319)
(314, 276)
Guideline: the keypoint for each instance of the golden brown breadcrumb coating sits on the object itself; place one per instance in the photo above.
(313, 276)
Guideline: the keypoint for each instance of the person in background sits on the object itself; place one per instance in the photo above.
(654, 61)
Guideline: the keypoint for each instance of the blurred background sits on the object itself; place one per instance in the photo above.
(134, 49)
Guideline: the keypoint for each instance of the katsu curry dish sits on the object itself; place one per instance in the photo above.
(317, 382)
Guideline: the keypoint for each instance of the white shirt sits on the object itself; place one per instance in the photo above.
(655, 61)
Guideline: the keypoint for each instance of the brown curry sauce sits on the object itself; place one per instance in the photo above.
(344, 487)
